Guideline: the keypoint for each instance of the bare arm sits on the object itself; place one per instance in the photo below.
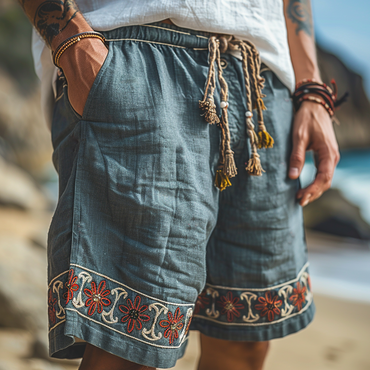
(56, 20)
(312, 129)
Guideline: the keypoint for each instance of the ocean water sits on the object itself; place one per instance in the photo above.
(351, 177)
(344, 271)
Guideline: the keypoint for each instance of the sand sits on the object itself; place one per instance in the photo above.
(338, 339)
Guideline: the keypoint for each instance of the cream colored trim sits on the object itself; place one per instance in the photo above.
(262, 289)
(149, 42)
(256, 324)
(59, 97)
(56, 277)
(167, 29)
(125, 334)
(134, 290)
(60, 322)
(202, 37)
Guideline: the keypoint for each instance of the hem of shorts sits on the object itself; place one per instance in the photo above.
(62, 344)
(255, 334)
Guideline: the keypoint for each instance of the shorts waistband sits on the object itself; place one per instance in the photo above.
(161, 33)
(171, 35)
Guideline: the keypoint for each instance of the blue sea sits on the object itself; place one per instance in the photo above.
(351, 177)
(342, 268)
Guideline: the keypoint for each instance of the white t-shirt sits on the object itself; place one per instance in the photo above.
(259, 21)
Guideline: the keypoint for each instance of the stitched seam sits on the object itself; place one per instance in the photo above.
(262, 289)
(120, 332)
(134, 290)
(167, 29)
(202, 37)
(56, 277)
(60, 322)
(59, 97)
(149, 42)
(257, 324)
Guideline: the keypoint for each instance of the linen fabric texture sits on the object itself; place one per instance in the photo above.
(142, 246)
(261, 22)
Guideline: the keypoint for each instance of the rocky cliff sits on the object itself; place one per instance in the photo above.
(354, 116)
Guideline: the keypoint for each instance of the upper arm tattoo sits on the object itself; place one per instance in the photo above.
(299, 11)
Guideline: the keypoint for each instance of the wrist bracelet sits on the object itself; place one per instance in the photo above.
(318, 92)
(317, 100)
(73, 40)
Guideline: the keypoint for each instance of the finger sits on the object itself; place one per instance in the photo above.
(321, 183)
(297, 157)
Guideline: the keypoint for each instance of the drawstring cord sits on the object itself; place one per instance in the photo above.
(253, 82)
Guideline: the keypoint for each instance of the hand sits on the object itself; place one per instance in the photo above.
(313, 130)
(81, 63)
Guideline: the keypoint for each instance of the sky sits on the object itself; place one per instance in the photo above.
(343, 27)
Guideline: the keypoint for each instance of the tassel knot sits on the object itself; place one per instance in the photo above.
(230, 167)
(254, 167)
(222, 181)
(264, 139)
(209, 111)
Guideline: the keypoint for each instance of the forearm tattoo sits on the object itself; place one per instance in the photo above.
(50, 17)
(299, 11)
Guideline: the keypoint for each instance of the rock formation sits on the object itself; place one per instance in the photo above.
(354, 116)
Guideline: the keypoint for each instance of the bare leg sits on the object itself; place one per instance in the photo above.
(220, 354)
(96, 359)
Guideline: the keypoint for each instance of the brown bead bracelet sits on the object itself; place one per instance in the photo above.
(73, 40)
(319, 101)
(318, 92)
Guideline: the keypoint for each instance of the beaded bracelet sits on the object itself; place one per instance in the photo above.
(73, 40)
(327, 96)
(319, 101)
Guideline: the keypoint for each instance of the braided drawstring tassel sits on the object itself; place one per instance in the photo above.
(253, 138)
(209, 111)
(207, 105)
(265, 140)
(254, 166)
(228, 155)
(222, 181)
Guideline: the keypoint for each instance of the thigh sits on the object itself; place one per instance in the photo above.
(137, 203)
(258, 285)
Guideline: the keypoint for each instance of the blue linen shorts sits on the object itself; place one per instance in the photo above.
(142, 245)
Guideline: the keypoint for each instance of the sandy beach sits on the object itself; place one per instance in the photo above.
(338, 339)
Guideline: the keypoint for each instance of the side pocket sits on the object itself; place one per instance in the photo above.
(93, 89)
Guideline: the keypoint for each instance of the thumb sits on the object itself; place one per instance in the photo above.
(297, 158)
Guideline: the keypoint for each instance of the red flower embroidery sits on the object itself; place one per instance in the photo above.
(134, 314)
(269, 306)
(298, 297)
(230, 306)
(172, 325)
(97, 298)
(202, 302)
(51, 307)
(71, 286)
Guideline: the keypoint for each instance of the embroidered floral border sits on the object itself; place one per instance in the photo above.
(254, 307)
(106, 302)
